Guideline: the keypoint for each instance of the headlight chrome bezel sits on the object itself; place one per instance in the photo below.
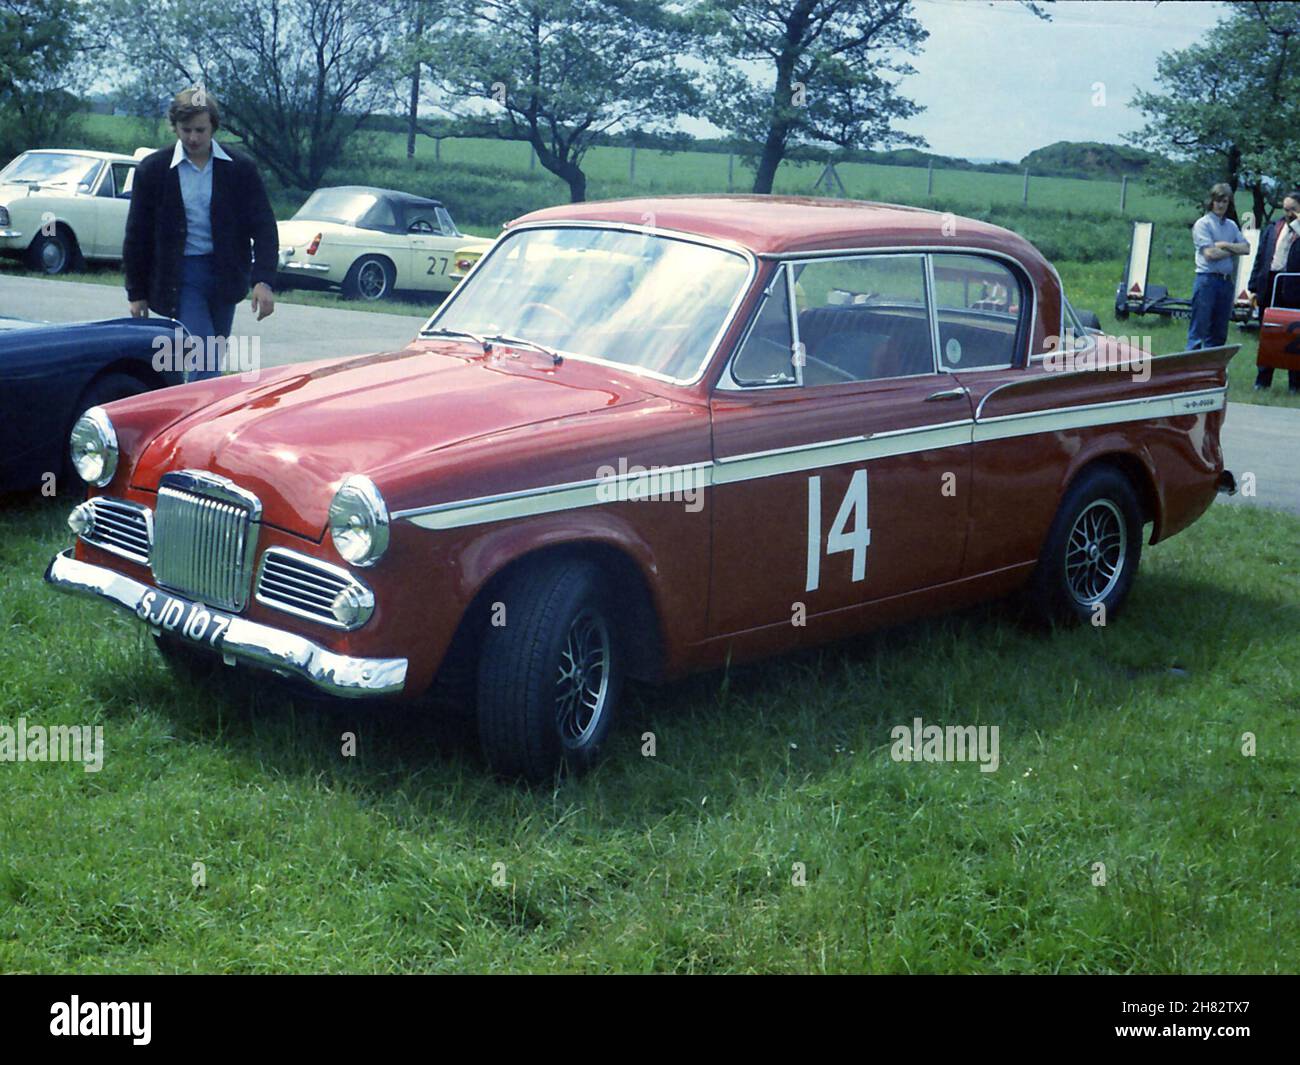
(94, 426)
(358, 521)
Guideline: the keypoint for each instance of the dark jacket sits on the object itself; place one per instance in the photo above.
(1261, 279)
(245, 244)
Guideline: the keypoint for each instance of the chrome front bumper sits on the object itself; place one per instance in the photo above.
(246, 641)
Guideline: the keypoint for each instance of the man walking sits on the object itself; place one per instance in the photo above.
(1217, 240)
(199, 231)
(1279, 253)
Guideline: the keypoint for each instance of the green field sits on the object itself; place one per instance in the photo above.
(1121, 746)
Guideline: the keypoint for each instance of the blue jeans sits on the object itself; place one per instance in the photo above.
(203, 316)
(1211, 311)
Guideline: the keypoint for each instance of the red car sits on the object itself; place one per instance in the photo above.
(644, 438)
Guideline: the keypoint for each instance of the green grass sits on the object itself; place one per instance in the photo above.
(683, 862)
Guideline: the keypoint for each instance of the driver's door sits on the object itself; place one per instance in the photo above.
(846, 479)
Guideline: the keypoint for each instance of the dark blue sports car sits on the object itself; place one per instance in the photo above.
(49, 374)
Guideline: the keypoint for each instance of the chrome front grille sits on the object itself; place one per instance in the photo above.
(121, 527)
(205, 537)
(309, 588)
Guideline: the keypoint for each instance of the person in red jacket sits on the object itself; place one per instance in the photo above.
(200, 231)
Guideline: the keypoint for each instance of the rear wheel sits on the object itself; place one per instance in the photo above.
(371, 278)
(549, 678)
(1092, 551)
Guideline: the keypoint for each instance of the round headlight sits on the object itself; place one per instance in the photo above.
(359, 521)
(94, 447)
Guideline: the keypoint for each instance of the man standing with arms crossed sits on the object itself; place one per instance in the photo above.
(199, 231)
(1217, 240)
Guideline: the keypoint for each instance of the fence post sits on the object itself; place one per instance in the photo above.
(731, 171)
(1025, 195)
(631, 167)
(1123, 192)
(929, 179)
(437, 149)
(532, 158)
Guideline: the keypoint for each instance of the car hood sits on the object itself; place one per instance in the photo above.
(293, 440)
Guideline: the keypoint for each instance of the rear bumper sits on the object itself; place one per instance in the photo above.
(282, 652)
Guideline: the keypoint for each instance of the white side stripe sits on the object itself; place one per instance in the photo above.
(732, 469)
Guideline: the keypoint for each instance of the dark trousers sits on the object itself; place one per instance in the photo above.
(1211, 311)
(206, 318)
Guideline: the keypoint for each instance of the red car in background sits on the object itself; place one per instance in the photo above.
(644, 438)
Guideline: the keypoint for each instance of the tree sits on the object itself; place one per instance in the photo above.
(40, 43)
(295, 78)
(560, 74)
(1226, 107)
(834, 70)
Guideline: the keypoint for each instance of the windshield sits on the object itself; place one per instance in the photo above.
(648, 302)
(344, 206)
(50, 168)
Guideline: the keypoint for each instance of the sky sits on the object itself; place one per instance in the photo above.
(997, 82)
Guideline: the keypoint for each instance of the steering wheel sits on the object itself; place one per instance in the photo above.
(568, 322)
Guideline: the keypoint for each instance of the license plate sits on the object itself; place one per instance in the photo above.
(193, 621)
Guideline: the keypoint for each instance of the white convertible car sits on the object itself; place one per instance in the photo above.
(61, 206)
(369, 241)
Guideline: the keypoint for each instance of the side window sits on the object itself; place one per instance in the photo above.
(381, 216)
(420, 219)
(124, 179)
(979, 303)
(106, 186)
(863, 319)
(767, 356)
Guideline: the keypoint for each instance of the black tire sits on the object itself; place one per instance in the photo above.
(56, 253)
(532, 720)
(103, 389)
(371, 278)
(1121, 313)
(1092, 550)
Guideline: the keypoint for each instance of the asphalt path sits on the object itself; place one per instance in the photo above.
(1263, 441)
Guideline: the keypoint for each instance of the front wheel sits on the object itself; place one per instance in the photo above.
(53, 253)
(549, 678)
(1091, 553)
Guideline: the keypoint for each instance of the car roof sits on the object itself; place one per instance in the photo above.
(781, 225)
(116, 157)
(392, 194)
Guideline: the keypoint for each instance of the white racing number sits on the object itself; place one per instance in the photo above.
(853, 507)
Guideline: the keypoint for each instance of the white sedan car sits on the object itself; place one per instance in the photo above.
(368, 242)
(62, 206)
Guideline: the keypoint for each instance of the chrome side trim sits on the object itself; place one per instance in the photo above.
(1059, 375)
(246, 641)
(729, 469)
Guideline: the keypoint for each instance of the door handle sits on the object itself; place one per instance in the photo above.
(1273, 325)
(948, 393)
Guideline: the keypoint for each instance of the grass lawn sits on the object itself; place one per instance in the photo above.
(1120, 745)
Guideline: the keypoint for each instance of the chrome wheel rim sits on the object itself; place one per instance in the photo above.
(372, 280)
(582, 686)
(1095, 552)
(53, 256)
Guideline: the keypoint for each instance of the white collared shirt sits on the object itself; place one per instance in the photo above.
(196, 193)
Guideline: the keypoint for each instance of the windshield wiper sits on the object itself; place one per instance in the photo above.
(503, 338)
(456, 333)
